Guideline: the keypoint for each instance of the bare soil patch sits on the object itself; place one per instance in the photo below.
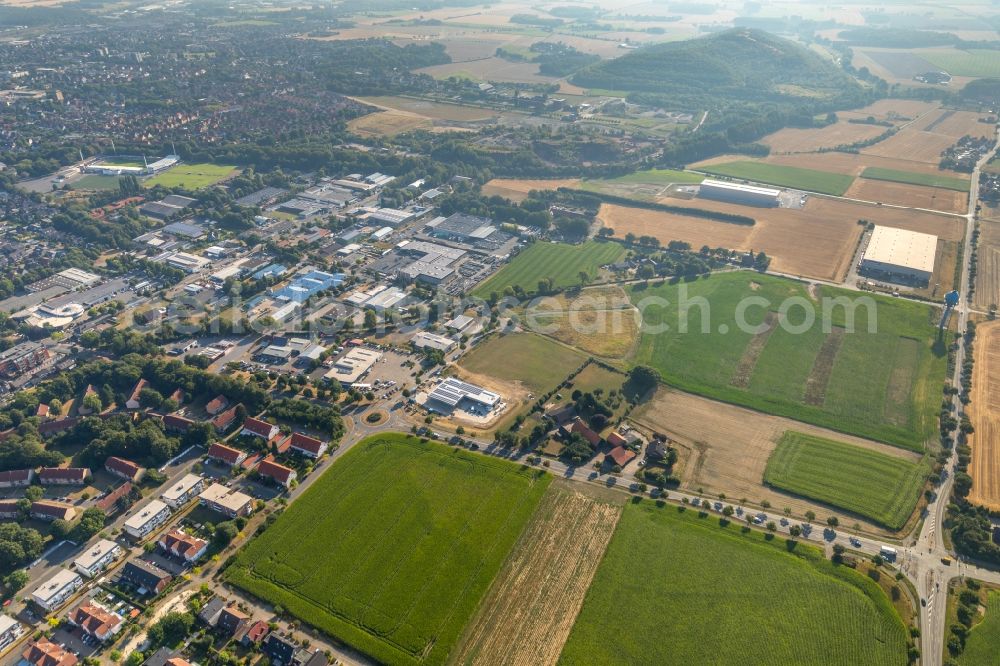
(744, 369)
(819, 376)
(913, 146)
(517, 189)
(725, 448)
(527, 615)
(793, 140)
(984, 410)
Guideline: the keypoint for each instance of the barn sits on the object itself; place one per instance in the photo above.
(899, 255)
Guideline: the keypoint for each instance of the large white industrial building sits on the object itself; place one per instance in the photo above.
(900, 255)
(749, 195)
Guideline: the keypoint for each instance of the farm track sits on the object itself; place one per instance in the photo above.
(819, 376)
(744, 369)
(533, 603)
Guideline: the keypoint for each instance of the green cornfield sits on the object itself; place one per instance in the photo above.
(392, 548)
(676, 588)
(881, 487)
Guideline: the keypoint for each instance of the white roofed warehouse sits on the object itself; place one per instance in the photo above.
(748, 195)
(898, 255)
(453, 393)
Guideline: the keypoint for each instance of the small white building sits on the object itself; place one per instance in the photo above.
(183, 491)
(147, 519)
(97, 558)
(427, 340)
(54, 592)
(10, 629)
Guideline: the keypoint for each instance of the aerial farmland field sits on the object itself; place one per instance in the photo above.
(537, 362)
(558, 261)
(693, 592)
(883, 384)
(391, 550)
(871, 484)
(909, 177)
(772, 174)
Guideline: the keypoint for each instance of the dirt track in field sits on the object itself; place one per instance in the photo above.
(533, 603)
(725, 449)
(984, 410)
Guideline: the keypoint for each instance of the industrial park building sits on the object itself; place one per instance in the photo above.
(900, 255)
(748, 195)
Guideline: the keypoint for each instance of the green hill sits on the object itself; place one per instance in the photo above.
(740, 65)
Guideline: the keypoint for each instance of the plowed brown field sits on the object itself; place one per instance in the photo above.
(533, 603)
(984, 410)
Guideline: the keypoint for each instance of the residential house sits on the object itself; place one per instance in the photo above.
(232, 620)
(115, 499)
(226, 454)
(229, 502)
(581, 428)
(17, 478)
(308, 446)
(278, 473)
(9, 509)
(279, 649)
(123, 468)
(147, 518)
(176, 423)
(255, 633)
(95, 620)
(56, 589)
(133, 401)
(614, 439)
(97, 558)
(620, 456)
(180, 544)
(63, 476)
(177, 396)
(225, 420)
(161, 657)
(145, 577)
(10, 630)
(51, 510)
(43, 411)
(216, 405)
(209, 613)
(44, 652)
(183, 491)
(258, 428)
(657, 450)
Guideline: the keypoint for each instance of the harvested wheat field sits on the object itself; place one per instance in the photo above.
(388, 123)
(532, 605)
(516, 189)
(988, 268)
(984, 411)
(848, 163)
(913, 146)
(600, 321)
(793, 140)
(914, 196)
(892, 109)
(726, 448)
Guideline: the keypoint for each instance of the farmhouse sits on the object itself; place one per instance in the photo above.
(900, 255)
(147, 519)
(452, 393)
(95, 620)
(125, 469)
(183, 491)
(226, 454)
(97, 558)
(182, 545)
(308, 446)
(738, 193)
(278, 473)
(58, 588)
(228, 502)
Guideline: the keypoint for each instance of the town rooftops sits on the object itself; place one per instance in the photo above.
(63, 475)
(226, 453)
(258, 427)
(307, 443)
(94, 619)
(44, 652)
(53, 509)
(123, 468)
(273, 470)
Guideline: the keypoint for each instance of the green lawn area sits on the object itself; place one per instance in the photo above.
(784, 176)
(983, 643)
(537, 362)
(558, 261)
(191, 176)
(96, 182)
(883, 384)
(868, 483)
(392, 548)
(974, 63)
(911, 178)
(674, 588)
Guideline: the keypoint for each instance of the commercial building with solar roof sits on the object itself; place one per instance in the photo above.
(453, 393)
(900, 255)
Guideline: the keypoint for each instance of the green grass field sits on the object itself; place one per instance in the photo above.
(392, 548)
(983, 643)
(559, 261)
(191, 176)
(911, 178)
(865, 482)
(884, 385)
(538, 362)
(974, 63)
(784, 176)
(674, 588)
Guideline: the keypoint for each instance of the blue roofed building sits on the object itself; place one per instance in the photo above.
(304, 286)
